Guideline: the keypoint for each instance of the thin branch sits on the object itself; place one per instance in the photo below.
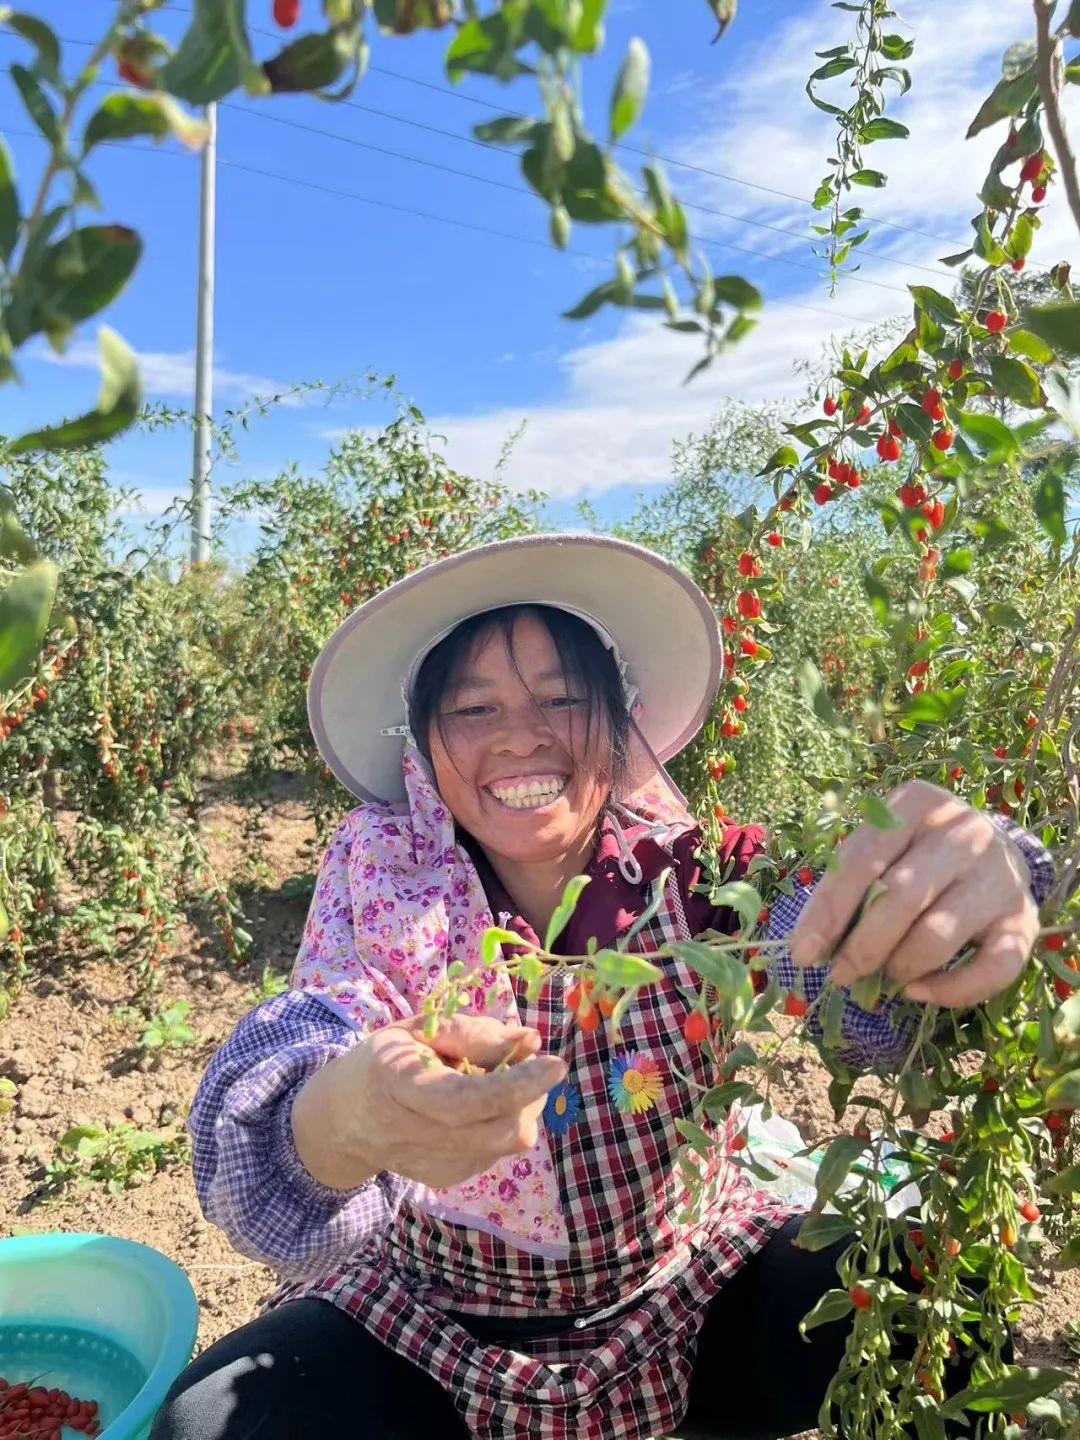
(1049, 70)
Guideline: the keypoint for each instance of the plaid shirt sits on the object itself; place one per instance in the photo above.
(638, 1280)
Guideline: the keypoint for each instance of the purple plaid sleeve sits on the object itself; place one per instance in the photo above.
(250, 1179)
(880, 1039)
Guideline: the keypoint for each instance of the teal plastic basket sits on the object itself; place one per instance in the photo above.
(105, 1319)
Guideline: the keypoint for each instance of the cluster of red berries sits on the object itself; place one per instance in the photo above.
(1034, 173)
(579, 1001)
(34, 1413)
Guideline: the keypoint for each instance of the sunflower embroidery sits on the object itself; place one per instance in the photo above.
(563, 1108)
(634, 1083)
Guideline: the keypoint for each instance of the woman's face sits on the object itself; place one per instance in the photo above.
(507, 769)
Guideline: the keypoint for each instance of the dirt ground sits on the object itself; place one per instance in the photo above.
(73, 1064)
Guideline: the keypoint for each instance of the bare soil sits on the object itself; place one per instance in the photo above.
(75, 1064)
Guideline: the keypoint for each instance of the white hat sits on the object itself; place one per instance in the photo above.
(655, 619)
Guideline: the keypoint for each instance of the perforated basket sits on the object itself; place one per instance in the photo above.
(102, 1318)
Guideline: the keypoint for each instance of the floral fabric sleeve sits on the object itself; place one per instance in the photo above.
(881, 1038)
(248, 1174)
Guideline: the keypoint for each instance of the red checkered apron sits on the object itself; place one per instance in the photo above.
(618, 1376)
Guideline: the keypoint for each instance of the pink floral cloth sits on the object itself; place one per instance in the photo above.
(384, 925)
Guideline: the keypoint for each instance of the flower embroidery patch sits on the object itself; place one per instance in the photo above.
(634, 1083)
(563, 1108)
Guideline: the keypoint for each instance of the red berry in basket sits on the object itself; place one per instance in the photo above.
(996, 321)
(286, 13)
(861, 1298)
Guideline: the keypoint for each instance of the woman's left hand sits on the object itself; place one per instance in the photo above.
(953, 876)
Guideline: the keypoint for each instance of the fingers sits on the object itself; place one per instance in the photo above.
(916, 880)
(479, 1038)
(446, 1098)
(865, 856)
(1001, 957)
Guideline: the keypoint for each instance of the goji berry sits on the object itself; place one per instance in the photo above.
(795, 1005)
(956, 369)
(695, 1027)
(830, 405)
(1033, 167)
(1053, 942)
(806, 875)
(749, 605)
(286, 13)
(1039, 194)
(942, 440)
(774, 539)
(1008, 1235)
(1018, 264)
(823, 494)
(738, 1142)
(1030, 1211)
(931, 401)
(996, 321)
(861, 1297)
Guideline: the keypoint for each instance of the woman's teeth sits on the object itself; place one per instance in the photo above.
(527, 795)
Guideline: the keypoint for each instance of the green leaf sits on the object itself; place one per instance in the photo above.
(833, 1305)
(1016, 380)
(25, 607)
(697, 1138)
(1050, 505)
(786, 458)
(631, 87)
(589, 35)
(895, 47)
(1006, 616)
(40, 35)
(565, 908)
(1023, 342)
(836, 1163)
(590, 303)
(118, 404)
(1064, 1092)
(935, 707)
(214, 56)
(493, 937)
(507, 130)
(9, 203)
(1018, 58)
(1058, 325)
(883, 129)
(740, 896)
(734, 290)
(818, 1232)
(85, 271)
(941, 307)
(1010, 1391)
(813, 689)
(878, 814)
(312, 63)
(989, 434)
(620, 970)
(1065, 1183)
(124, 115)
(874, 179)
(721, 968)
(1008, 97)
(37, 103)
(719, 1100)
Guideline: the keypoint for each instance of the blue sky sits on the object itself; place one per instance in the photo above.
(317, 285)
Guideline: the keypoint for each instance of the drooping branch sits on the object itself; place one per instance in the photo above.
(1049, 68)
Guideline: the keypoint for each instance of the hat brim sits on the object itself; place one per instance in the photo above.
(661, 621)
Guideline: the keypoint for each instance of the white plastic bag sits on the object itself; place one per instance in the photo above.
(777, 1145)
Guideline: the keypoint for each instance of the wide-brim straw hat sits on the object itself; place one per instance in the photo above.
(657, 621)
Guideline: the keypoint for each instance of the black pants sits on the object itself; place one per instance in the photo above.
(308, 1369)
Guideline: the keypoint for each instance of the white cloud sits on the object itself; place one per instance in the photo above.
(624, 402)
(172, 373)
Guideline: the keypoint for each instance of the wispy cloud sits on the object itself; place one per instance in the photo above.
(623, 402)
(171, 374)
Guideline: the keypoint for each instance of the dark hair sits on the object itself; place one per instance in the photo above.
(585, 661)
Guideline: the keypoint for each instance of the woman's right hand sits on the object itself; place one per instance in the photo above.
(393, 1102)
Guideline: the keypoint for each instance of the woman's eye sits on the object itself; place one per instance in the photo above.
(470, 712)
(564, 702)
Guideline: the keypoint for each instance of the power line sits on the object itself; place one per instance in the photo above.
(532, 241)
(618, 145)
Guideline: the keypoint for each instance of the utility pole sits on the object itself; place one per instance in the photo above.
(204, 349)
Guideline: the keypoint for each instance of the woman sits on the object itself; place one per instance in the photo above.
(502, 1254)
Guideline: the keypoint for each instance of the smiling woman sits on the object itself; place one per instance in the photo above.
(521, 713)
